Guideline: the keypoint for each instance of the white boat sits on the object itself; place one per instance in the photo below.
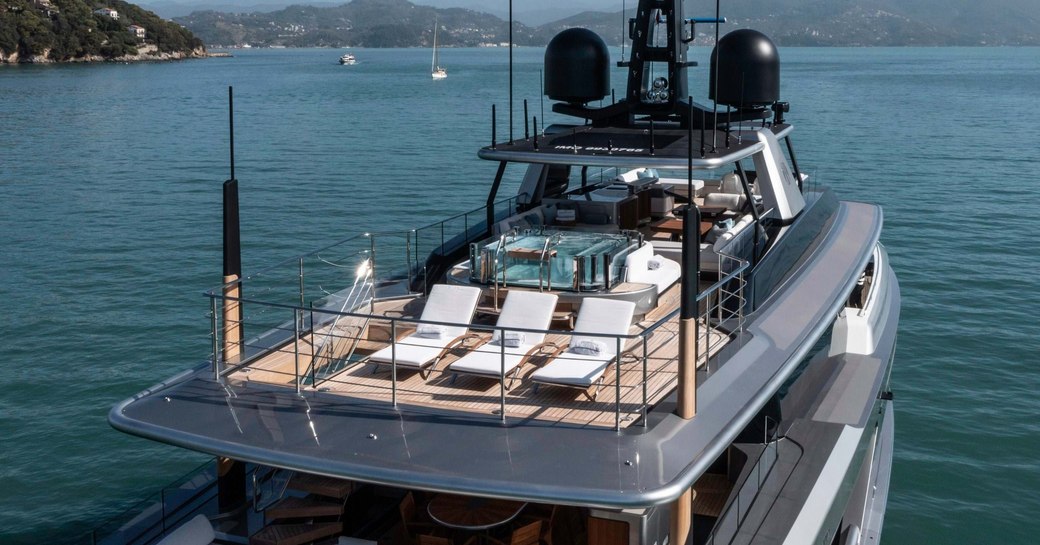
(664, 336)
(347, 59)
(436, 72)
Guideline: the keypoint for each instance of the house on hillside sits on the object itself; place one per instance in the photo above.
(46, 6)
(137, 31)
(108, 12)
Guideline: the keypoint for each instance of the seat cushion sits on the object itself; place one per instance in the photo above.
(412, 351)
(572, 369)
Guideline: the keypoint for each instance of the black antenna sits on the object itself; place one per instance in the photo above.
(536, 132)
(231, 126)
(232, 232)
(494, 127)
(541, 96)
(510, 70)
(689, 152)
(622, 37)
(729, 120)
(715, 108)
(739, 135)
(527, 132)
(702, 129)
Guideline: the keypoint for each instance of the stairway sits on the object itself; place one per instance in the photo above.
(296, 519)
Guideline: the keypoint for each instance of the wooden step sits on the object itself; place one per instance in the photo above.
(321, 486)
(711, 492)
(293, 507)
(295, 534)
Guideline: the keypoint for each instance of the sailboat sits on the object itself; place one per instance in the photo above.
(435, 70)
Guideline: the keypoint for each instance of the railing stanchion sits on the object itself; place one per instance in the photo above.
(213, 333)
(372, 256)
(407, 257)
(646, 340)
(296, 345)
(393, 362)
(502, 361)
(301, 284)
(617, 383)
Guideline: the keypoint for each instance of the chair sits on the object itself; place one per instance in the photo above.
(546, 514)
(529, 534)
(430, 342)
(522, 309)
(584, 362)
(410, 520)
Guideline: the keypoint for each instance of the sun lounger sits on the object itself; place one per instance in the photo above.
(523, 310)
(585, 361)
(424, 348)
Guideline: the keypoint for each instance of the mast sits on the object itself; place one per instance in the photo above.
(433, 64)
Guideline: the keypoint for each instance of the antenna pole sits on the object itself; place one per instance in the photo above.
(231, 126)
(715, 108)
(510, 70)
(623, 30)
(527, 125)
(541, 98)
(232, 266)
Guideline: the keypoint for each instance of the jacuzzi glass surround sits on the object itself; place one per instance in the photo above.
(553, 259)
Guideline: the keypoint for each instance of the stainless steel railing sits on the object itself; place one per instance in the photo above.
(285, 326)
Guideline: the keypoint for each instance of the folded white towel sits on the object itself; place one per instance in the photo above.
(588, 348)
(429, 331)
(653, 264)
(513, 339)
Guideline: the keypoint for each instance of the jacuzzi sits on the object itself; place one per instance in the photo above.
(554, 260)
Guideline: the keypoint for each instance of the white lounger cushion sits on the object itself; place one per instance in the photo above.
(595, 316)
(527, 310)
(573, 369)
(450, 304)
(524, 309)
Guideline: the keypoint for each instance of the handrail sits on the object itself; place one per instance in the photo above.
(717, 312)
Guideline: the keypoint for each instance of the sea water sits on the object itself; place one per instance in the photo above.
(110, 230)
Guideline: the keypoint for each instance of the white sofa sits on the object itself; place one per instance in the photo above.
(638, 263)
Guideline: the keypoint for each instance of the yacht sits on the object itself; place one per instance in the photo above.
(347, 59)
(436, 72)
(668, 334)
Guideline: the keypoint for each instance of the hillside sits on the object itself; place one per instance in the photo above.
(89, 30)
(400, 23)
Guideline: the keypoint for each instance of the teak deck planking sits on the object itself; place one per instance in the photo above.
(482, 395)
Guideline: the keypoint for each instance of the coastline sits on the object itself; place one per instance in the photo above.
(146, 53)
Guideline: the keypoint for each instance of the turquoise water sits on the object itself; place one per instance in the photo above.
(110, 189)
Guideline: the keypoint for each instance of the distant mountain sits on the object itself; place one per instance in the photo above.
(400, 23)
(530, 12)
(40, 31)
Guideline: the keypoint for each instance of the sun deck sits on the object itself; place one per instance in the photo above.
(442, 389)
